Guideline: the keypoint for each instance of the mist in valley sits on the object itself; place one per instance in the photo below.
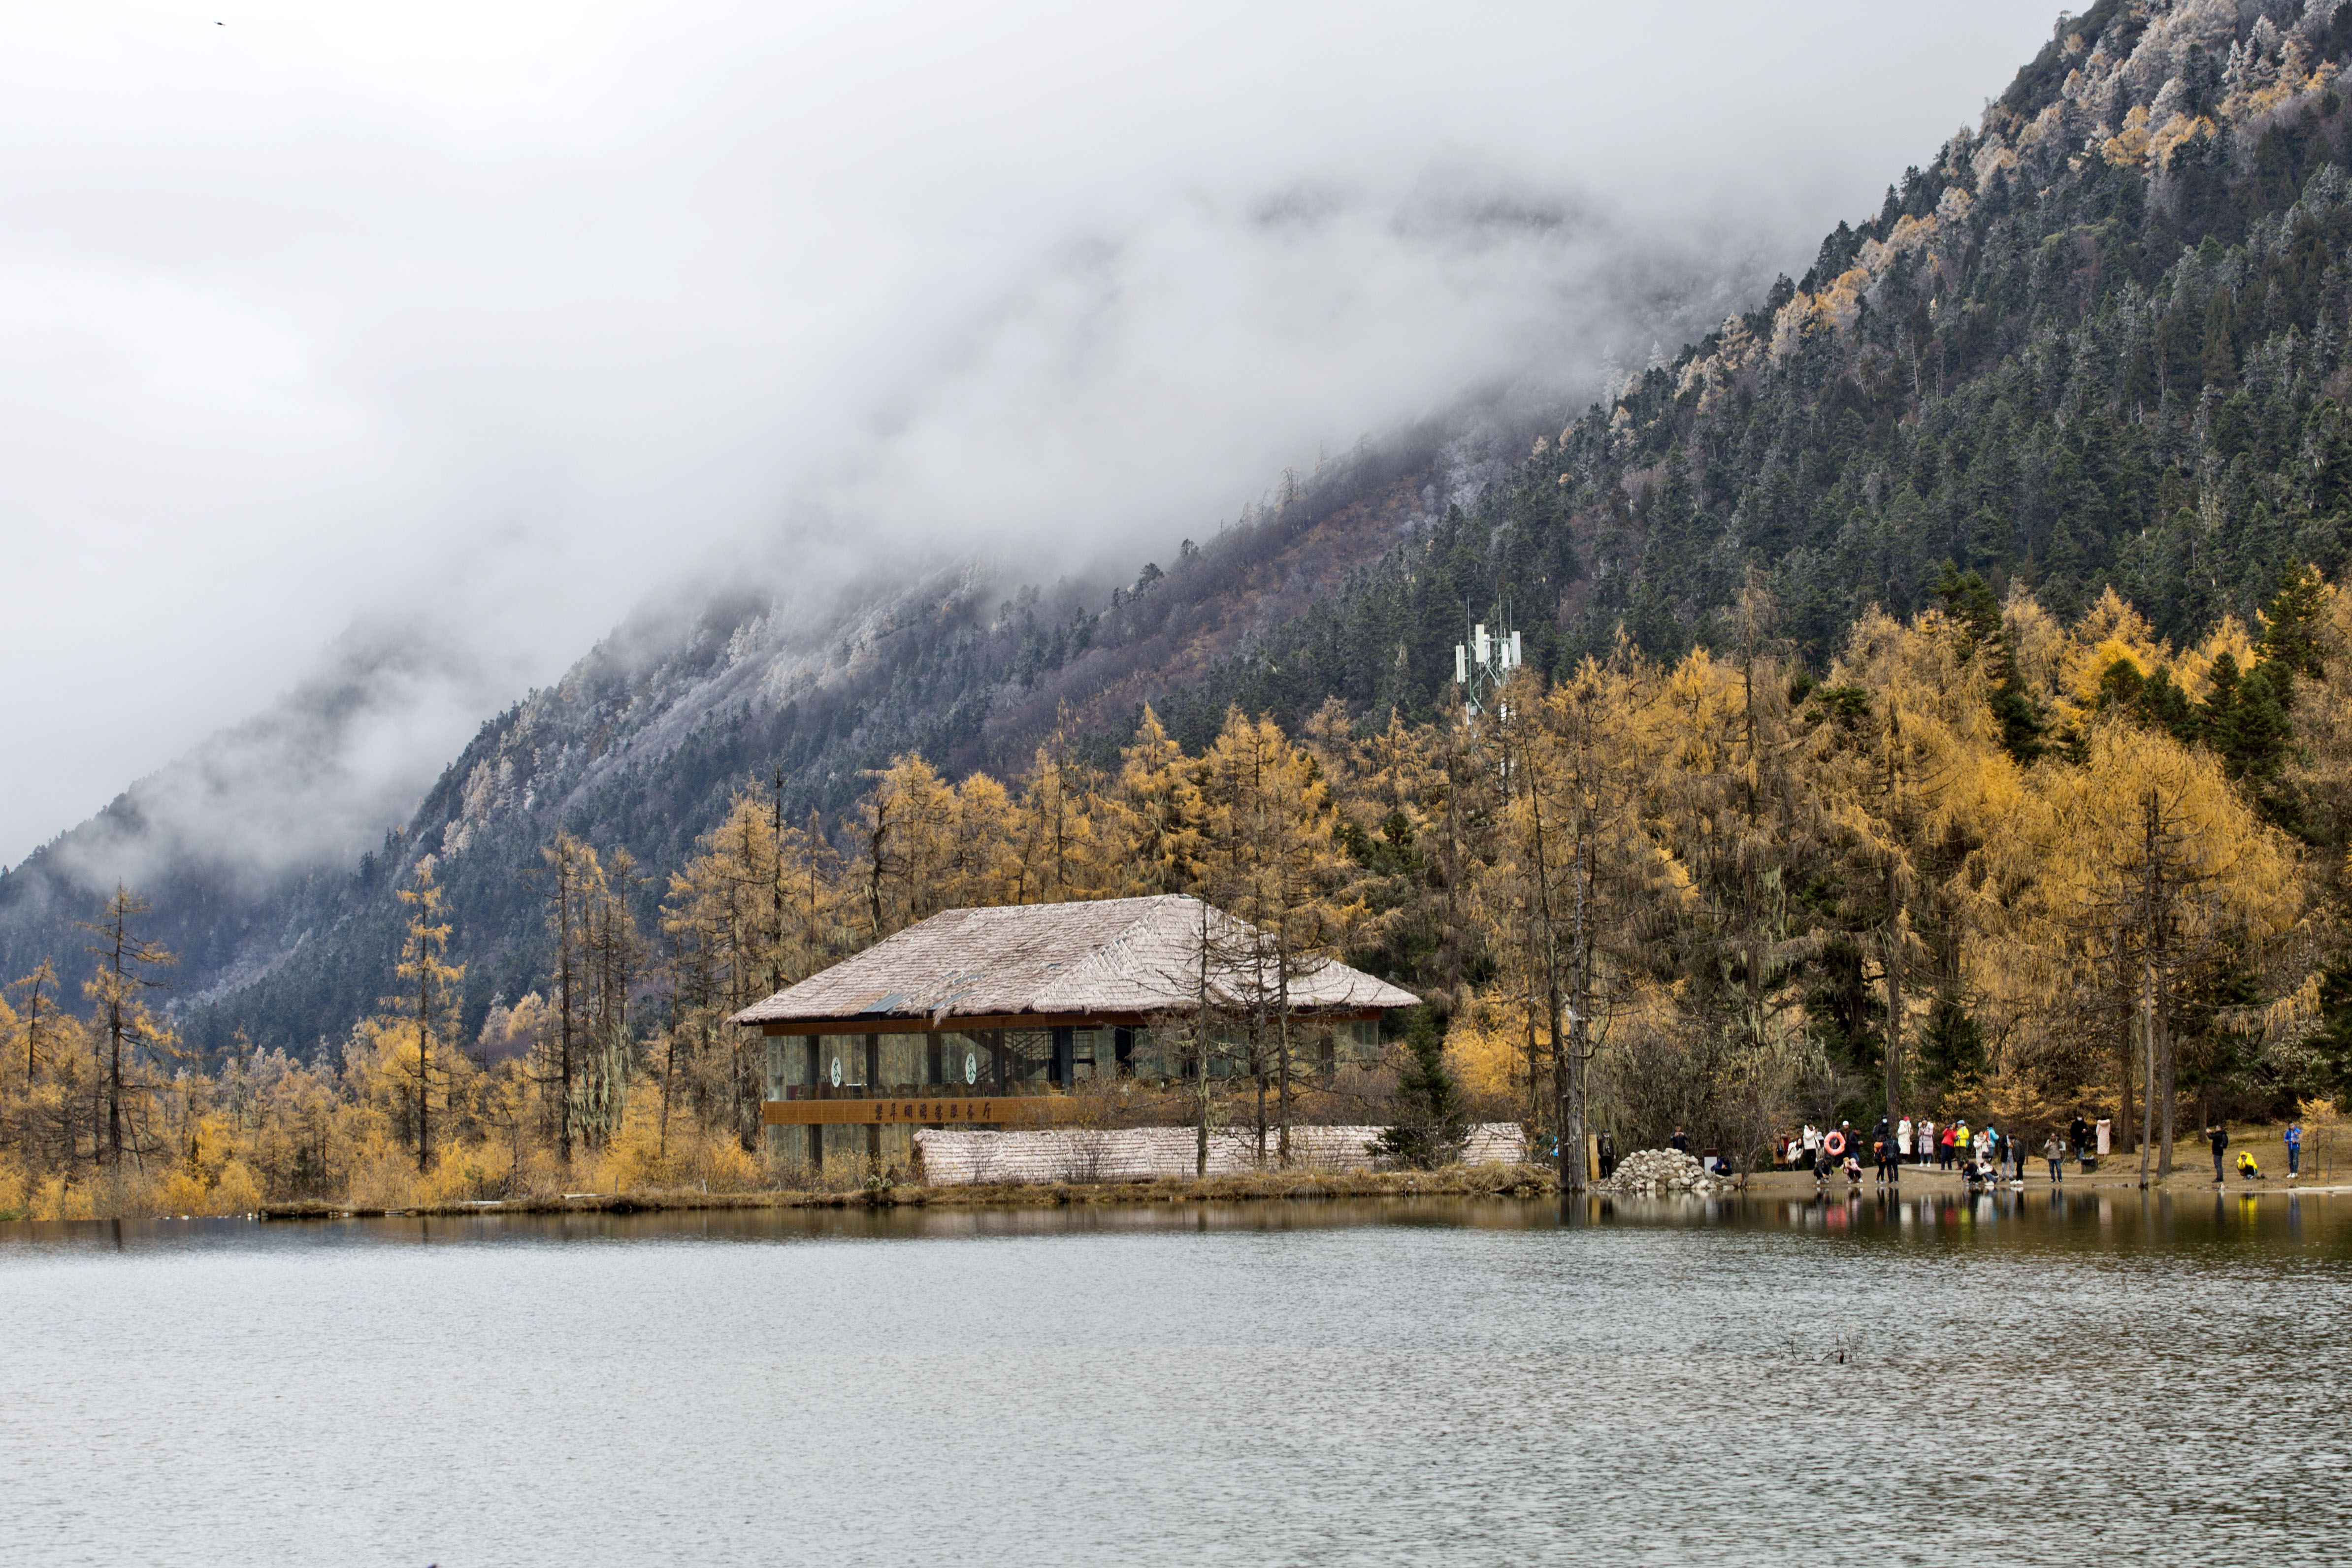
(360, 372)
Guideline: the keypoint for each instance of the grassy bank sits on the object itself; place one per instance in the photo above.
(1473, 1182)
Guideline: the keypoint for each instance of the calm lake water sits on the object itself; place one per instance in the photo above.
(2002, 1382)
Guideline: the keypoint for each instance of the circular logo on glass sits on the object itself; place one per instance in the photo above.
(836, 1072)
(972, 1066)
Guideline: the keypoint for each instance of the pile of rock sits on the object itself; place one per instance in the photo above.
(1663, 1171)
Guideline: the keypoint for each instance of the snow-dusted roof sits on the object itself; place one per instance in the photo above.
(1108, 958)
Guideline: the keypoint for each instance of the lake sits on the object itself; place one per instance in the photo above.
(2011, 1380)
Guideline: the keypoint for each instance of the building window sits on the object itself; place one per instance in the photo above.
(1029, 1055)
(905, 1061)
(841, 1061)
(968, 1057)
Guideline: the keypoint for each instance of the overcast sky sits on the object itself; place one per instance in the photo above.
(315, 316)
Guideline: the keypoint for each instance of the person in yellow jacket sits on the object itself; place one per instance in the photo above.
(2247, 1169)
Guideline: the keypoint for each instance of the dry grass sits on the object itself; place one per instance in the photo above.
(1479, 1180)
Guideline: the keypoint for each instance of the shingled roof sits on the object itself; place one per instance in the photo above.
(1108, 958)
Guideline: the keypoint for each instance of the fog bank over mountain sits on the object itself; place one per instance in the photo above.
(437, 339)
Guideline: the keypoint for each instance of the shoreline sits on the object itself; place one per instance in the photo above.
(2110, 1178)
(1297, 1186)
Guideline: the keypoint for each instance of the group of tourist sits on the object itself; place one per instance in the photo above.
(2249, 1169)
(1981, 1154)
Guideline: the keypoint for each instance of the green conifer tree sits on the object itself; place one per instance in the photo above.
(1432, 1125)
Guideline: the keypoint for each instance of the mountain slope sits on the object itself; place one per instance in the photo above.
(645, 742)
(2097, 340)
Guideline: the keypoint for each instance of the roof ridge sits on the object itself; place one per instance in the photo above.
(1118, 956)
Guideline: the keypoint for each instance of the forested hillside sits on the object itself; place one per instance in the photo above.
(2097, 342)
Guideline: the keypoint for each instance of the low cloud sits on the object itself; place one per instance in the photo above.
(492, 322)
(321, 772)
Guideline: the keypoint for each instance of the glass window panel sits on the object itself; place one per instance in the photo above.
(1166, 1054)
(1091, 1052)
(1029, 1055)
(1228, 1051)
(840, 1060)
(964, 1058)
(905, 1061)
(1153, 1057)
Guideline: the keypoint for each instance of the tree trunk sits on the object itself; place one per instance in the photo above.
(114, 1084)
(114, 1029)
(2147, 1055)
(1257, 1065)
(32, 1037)
(2165, 1061)
(564, 958)
(1579, 1005)
(1547, 942)
(1200, 1053)
(1893, 967)
(2123, 1048)
(1535, 1058)
(1282, 1057)
(423, 1045)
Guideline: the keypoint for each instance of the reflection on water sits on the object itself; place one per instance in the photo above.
(2079, 1220)
(2031, 1377)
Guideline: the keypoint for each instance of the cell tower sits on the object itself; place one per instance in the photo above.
(1481, 666)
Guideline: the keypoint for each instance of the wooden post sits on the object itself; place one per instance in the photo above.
(873, 1087)
(2147, 1033)
(815, 1071)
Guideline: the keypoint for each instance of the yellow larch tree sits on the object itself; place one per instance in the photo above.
(2148, 852)
(1267, 857)
(129, 1031)
(907, 859)
(984, 865)
(1151, 817)
(1912, 770)
(1059, 858)
(429, 998)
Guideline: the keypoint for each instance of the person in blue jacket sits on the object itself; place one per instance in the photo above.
(2293, 1149)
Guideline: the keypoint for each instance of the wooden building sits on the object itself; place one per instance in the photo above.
(1002, 1017)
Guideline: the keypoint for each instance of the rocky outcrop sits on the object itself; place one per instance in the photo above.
(1655, 1170)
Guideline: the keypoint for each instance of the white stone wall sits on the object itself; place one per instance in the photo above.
(954, 1156)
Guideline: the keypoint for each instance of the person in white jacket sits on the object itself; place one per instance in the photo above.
(1926, 1142)
(1903, 1140)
